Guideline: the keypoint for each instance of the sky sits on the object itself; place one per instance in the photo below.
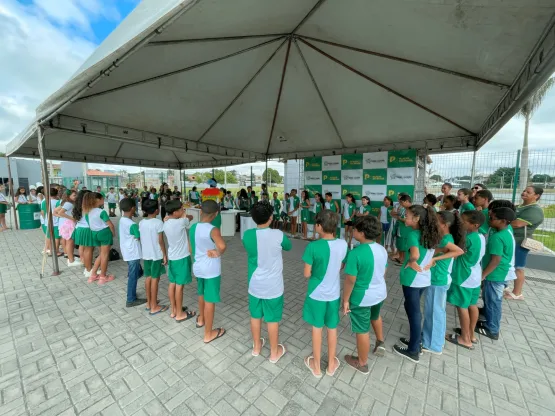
(43, 42)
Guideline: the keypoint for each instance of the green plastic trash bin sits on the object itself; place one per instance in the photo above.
(29, 216)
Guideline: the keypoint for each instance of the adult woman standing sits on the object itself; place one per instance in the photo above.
(529, 217)
(477, 187)
(165, 196)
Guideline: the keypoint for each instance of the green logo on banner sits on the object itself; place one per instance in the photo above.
(394, 190)
(401, 158)
(313, 189)
(374, 177)
(312, 164)
(351, 161)
(375, 207)
(356, 190)
(331, 177)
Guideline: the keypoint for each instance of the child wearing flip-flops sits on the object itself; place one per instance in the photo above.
(154, 254)
(176, 224)
(207, 247)
(265, 268)
(467, 277)
(364, 290)
(323, 259)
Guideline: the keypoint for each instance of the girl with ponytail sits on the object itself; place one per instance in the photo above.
(421, 244)
(451, 246)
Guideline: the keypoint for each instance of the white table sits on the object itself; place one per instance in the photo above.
(195, 212)
(246, 224)
(228, 222)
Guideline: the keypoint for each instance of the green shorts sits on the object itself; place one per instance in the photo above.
(401, 243)
(112, 205)
(276, 217)
(361, 317)
(319, 313)
(179, 271)
(209, 288)
(153, 268)
(43, 229)
(103, 237)
(269, 309)
(463, 297)
(56, 232)
(3, 208)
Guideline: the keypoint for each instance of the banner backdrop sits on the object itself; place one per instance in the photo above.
(375, 175)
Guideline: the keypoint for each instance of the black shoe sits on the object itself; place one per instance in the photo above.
(136, 302)
(405, 341)
(482, 329)
(404, 352)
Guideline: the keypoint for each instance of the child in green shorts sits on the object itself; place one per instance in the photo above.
(265, 267)
(467, 277)
(364, 290)
(207, 247)
(154, 254)
(276, 203)
(103, 233)
(112, 199)
(179, 258)
(323, 259)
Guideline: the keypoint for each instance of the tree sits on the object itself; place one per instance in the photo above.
(503, 178)
(527, 111)
(273, 176)
(541, 178)
(220, 175)
(202, 177)
(436, 178)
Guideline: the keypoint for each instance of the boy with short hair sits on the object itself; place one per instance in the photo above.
(99, 191)
(112, 202)
(499, 268)
(405, 202)
(482, 200)
(265, 278)
(467, 277)
(207, 247)
(463, 195)
(449, 203)
(154, 254)
(179, 258)
(276, 204)
(294, 204)
(364, 290)
(130, 247)
(323, 260)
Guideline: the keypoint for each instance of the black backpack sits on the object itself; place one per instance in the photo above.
(114, 255)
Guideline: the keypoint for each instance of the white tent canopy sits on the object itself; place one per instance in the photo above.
(201, 83)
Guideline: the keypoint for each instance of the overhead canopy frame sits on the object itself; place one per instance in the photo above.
(206, 83)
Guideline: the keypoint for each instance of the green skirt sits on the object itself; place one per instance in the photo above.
(3, 208)
(83, 237)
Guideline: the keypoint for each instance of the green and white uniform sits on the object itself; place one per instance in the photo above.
(331, 205)
(484, 229)
(129, 239)
(4, 205)
(410, 277)
(321, 306)
(294, 203)
(385, 214)
(348, 211)
(403, 231)
(441, 273)
(365, 209)
(150, 230)
(179, 257)
(54, 203)
(501, 243)
(82, 235)
(207, 270)
(265, 272)
(367, 263)
(194, 197)
(466, 207)
(276, 203)
(467, 273)
(101, 233)
(112, 199)
(305, 212)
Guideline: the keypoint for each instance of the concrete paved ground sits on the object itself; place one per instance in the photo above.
(68, 347)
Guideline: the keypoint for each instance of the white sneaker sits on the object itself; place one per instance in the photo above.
(87, 273)
(76, 263)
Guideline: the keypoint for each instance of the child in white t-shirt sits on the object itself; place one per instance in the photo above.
(179, 258)
(154, 254)
(130, 246)
(103, 233)
(112, 199)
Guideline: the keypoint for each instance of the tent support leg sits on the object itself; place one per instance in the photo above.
(180, 182)
(10, 183)
(267, 183)
(46, 180)
(473, 171)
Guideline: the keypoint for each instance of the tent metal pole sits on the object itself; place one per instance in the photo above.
(473, 171)
(180, 182)
(46, 180)
(267, 183)
(10, 183)
(186, 198)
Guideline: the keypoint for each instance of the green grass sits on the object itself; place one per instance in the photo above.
(549, 211)
(546, 237)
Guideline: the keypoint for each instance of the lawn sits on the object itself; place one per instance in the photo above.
(547, 238)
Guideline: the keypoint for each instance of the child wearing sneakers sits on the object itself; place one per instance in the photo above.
(265, 268)
(467, 276)
(499, 268)
(179, 258)
(130, 246)
(364, 290)
(154, 254)
(207, 247)
(323, 259)
(103, 233)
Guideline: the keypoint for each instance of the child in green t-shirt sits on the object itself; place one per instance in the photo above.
(276, 203)
(364, 290)
(499, 268)
(463, 195)
(450, 247)
(467, 276)
(305, 213)
(322, 266)
(405, 202)
(482, 200)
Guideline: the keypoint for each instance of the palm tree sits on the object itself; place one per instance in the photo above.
(527, 111)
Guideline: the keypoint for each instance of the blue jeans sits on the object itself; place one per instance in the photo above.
(520, 256)
(412, 308)
(435, 320)
(493, 299)
(134, 273)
